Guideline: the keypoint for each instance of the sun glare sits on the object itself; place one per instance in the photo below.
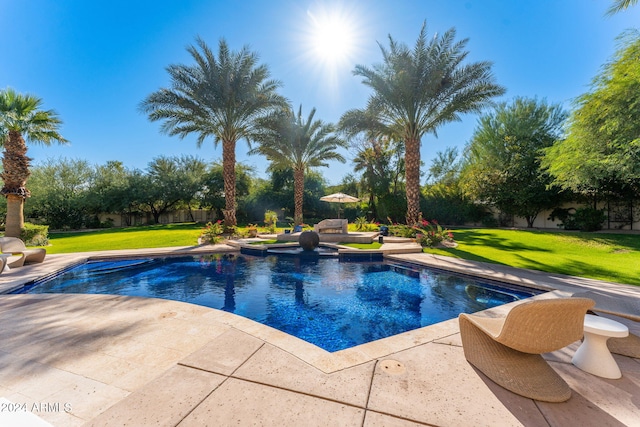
(332, 38)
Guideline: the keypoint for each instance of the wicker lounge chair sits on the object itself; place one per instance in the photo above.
(13, 245)
(508, 350)
(4, 258)
(628, 308)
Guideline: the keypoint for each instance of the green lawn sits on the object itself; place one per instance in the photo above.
(612, 257)
(373, 245)
(155, 236)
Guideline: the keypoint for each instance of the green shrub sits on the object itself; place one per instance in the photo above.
(231, 230)
(453, 209)
(361, 223)
(392, 206)
(35, 235)
(270, 220)
(583, 219)
(402, 230)
(429, 234)
(107, 223)
(589, 219)
(566, 216)
(211, 233)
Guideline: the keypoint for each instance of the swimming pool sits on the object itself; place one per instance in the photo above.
(332, 304)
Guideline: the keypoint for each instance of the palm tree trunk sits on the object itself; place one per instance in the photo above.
(412, 174)
(16, 171)
(15, 217)
(298, 194)
(372, 206)
(229, 176)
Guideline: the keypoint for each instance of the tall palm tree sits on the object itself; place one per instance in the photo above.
(291, 142)
(417, 90)
(20, 117)
(220, 97)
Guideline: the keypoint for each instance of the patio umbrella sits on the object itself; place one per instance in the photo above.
(339, 198)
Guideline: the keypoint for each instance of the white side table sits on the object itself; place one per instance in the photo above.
(593, 356)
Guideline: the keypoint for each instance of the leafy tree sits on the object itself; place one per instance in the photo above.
(60, 191)
(277, 194)
(349, 185)
(290, 141)
(21, 116)
(109, 189)
(503, 157)
(600, 155)
(193, 171)
(212, 194)
(444, 195)
(220, 97)
(134, 196)
(445, 167)
(171, 180)
(415, 91)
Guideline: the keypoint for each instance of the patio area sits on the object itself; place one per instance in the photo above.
(104, 360)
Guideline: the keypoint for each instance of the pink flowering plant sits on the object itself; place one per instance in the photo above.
(427, 233)
(430, 233)
(212, 232)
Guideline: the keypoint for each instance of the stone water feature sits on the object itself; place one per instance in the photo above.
(309, 240)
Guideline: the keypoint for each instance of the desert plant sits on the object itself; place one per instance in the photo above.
(361, 223)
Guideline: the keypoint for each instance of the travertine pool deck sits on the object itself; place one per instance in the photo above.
(116, 361)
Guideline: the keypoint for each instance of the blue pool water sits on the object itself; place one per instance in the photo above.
(332, 304)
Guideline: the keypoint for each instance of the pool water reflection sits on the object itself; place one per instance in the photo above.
(332, 304)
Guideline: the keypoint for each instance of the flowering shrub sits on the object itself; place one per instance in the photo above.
(211, 233)
(431, 233)
(427, 233)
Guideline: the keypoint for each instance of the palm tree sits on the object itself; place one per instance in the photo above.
(291, 142)
(20, 117)
(415, 91)
(219, 97)
(620, 5)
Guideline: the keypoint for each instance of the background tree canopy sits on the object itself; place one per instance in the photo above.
(503, 158)
(601, 152)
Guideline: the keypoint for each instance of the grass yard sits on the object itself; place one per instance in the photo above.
(611, 257)
(154, 236)
(373, 245)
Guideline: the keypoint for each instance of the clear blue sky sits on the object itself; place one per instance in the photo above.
(93, 62)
